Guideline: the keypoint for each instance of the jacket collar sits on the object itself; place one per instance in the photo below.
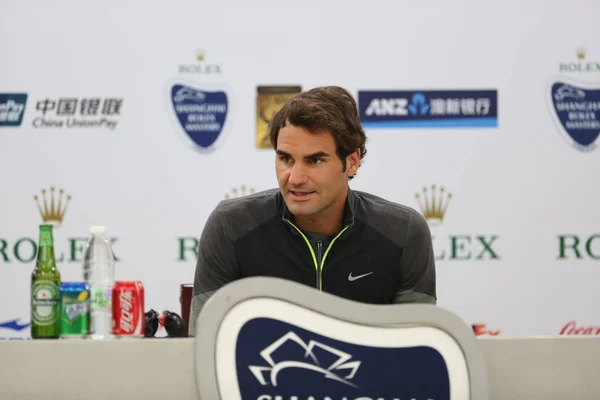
(348, 219)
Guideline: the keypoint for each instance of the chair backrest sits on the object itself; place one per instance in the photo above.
(272, 339)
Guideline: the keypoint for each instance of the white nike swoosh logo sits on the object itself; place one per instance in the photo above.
(353, 278)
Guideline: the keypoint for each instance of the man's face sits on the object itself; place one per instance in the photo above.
(310, 174)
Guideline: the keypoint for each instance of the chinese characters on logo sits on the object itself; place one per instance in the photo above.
(73, 112)
(464, 106)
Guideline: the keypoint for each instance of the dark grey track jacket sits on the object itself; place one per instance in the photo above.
(382, 255)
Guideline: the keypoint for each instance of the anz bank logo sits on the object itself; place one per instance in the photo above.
(428, 109)
(342, 369)
(382, 107)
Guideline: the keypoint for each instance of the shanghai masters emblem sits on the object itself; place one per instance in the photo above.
(577, 112)
(201, 114)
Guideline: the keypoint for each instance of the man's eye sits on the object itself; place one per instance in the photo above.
(286, 159)
(316, 161)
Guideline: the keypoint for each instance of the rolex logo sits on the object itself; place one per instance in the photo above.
(433, 202)
(580, 51)
(200, 66)
(52, 206)
(239, 192)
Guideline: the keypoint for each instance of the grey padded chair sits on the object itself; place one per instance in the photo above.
(272, 339)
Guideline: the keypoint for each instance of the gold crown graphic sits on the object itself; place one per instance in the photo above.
(433, 202)
(580, 51)
(200, 55)
(239, 192)
(55, 211)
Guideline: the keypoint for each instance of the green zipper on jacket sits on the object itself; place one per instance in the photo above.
(318, 268)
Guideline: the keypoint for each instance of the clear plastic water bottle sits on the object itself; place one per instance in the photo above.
(99, 273)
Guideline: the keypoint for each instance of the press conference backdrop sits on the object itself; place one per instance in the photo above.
(483, 116)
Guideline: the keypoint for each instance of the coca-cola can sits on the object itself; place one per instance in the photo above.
(128, 318)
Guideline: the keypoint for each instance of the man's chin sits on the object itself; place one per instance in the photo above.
(300, 208)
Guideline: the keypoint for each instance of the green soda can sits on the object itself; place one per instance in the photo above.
(74, 310)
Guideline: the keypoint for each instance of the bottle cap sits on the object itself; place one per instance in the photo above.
(97, 229)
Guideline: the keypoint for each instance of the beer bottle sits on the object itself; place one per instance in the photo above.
(45, 285)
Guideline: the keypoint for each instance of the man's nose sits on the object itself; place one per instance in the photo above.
(297, 174)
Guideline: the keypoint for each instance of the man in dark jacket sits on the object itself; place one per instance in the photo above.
(314, 229)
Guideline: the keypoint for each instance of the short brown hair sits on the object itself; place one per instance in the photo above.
(329, 108)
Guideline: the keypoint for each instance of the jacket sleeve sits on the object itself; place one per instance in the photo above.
(216, 264)
(417, 276)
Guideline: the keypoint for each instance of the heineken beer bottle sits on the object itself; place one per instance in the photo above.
(45, 285)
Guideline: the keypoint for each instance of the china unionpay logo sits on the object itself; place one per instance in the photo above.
(12, 108)
(201, 114)
(429, 109)
(576, 109)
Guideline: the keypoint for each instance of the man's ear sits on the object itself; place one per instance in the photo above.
(353, 162)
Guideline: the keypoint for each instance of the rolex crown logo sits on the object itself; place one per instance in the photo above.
(52, 206)
(239, 192)
(580, 51)
(433, 202)
(199, 55)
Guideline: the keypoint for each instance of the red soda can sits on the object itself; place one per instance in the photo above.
(128, 309)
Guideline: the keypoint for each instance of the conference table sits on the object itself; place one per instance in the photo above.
(163, 368)
(499, 368)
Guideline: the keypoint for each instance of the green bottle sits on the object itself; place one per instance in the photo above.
(45, 286)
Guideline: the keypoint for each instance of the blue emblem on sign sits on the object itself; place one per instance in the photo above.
(277, 360)
(577, 110)
(201, 114)
(14, 324)
(12, 108)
